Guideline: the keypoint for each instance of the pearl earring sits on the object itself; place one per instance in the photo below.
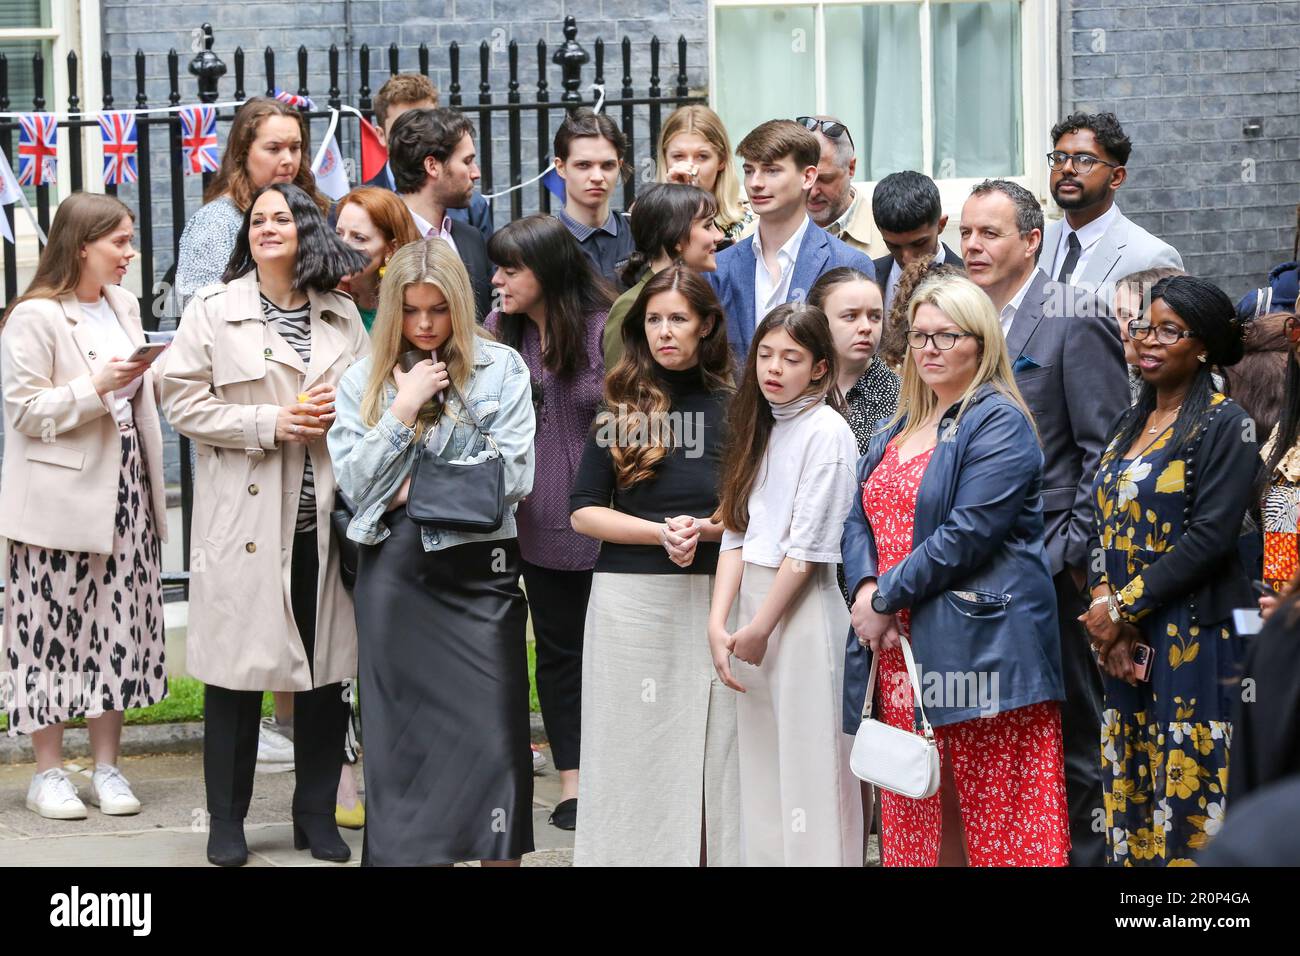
(1201, 358)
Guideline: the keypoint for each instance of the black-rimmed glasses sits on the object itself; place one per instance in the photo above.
(943, 341)
(1083, 162)
(1166, 334)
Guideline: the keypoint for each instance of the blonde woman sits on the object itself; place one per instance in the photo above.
(82, 506)
(956, 563)
(440, 617)
(694, 149)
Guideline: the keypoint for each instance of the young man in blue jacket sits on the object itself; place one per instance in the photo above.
(788, 252)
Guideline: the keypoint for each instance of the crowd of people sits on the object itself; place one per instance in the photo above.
(754, 467)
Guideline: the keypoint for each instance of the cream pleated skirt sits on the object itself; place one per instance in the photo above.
(800, 803)
(659, 767)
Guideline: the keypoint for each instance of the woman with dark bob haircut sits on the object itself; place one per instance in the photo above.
(1169, 497)
(671, 223)
(552, 311)
(646, 489)
(250, 380)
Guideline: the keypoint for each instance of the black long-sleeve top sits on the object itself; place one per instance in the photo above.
(685, 481)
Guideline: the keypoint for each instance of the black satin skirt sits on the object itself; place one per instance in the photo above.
(443, 675)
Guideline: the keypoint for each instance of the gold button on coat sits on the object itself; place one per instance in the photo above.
(250, 547)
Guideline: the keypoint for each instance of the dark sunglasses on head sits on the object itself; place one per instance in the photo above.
(829, 128)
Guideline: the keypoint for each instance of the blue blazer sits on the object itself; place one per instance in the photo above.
(977, 580)
(734, 280)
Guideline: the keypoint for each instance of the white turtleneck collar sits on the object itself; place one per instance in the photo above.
(796, 407)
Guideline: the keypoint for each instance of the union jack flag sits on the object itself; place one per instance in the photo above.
(293, 99)
(121, 140)
(199, 140)
(37, 152)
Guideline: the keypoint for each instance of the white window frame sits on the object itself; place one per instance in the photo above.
(1039, 85)
(74, 26)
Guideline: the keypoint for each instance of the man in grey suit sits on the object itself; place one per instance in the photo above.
(1068, 363)
(1095, 245)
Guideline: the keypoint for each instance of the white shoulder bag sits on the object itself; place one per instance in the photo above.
(898, 760)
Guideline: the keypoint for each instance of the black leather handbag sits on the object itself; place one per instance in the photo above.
(349, 550)
(457, 496)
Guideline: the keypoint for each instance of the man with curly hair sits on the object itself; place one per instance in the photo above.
(1095, 244)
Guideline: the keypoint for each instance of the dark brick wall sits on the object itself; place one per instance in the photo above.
(1185, 78)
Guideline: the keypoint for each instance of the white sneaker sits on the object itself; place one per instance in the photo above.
(274, 748)
(111, 793)
(53, 796)
(539, 759)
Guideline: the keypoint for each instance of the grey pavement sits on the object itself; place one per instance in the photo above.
(169, 830)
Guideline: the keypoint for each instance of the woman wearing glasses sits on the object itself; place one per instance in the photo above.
(956, 563)
(1170, 494)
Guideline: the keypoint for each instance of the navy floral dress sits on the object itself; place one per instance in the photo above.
(1165, 741)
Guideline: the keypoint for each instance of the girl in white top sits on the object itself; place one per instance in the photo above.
(787, 484)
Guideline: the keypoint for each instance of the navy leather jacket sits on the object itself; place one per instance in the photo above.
(983, 607)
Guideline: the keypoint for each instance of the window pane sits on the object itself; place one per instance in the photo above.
(24, 14)
(873, 83)
(977, 103)
(765, 67)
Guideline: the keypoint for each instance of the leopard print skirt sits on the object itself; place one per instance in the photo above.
(83, 633)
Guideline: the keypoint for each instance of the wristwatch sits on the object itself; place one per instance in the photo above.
(878, 603)
(1112, 608)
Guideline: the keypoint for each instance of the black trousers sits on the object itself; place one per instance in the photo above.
(320, 720)
(1080, 728)
(557, 601)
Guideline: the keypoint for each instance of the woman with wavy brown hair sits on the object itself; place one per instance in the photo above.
(267, 144)
(659, 773)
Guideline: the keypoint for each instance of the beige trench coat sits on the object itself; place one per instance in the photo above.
(225, 378)
(63, 450)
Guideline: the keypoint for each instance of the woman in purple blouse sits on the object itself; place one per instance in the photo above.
(551, 308)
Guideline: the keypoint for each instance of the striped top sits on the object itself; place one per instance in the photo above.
(294, 326)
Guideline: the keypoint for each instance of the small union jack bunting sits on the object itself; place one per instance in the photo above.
(293, 99)
(37, 150)
(199, 140)
(120, 136)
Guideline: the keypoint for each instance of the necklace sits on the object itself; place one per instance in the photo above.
(1153, 428)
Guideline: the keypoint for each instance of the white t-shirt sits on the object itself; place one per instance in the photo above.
(111, 341)
(804, 489)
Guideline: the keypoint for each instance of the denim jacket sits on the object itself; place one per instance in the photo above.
(370, 464)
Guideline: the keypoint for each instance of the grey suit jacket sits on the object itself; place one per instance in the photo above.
(1069, 365)
(1124, 249)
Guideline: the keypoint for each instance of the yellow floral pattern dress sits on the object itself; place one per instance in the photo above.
(1164, 743)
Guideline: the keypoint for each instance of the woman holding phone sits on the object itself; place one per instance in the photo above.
(1169, 497)
(82, 504)
(250, 379)
(440, 616)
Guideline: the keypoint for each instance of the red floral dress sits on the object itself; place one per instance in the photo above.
(1008, 769)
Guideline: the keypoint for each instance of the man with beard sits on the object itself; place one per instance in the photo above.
(1095, 245)
(434, 163)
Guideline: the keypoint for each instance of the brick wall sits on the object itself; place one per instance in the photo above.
(1185, 77)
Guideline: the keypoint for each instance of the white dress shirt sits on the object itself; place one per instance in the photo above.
(1008, 313)
(896, 273)
(427, 231)
(1089, 236)
(769, 291)
(111, 341)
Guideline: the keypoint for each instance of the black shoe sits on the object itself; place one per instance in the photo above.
(565, 814)
(319, 833)
(226, 845)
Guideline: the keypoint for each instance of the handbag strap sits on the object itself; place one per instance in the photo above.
(478, 425)
(868, 705)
